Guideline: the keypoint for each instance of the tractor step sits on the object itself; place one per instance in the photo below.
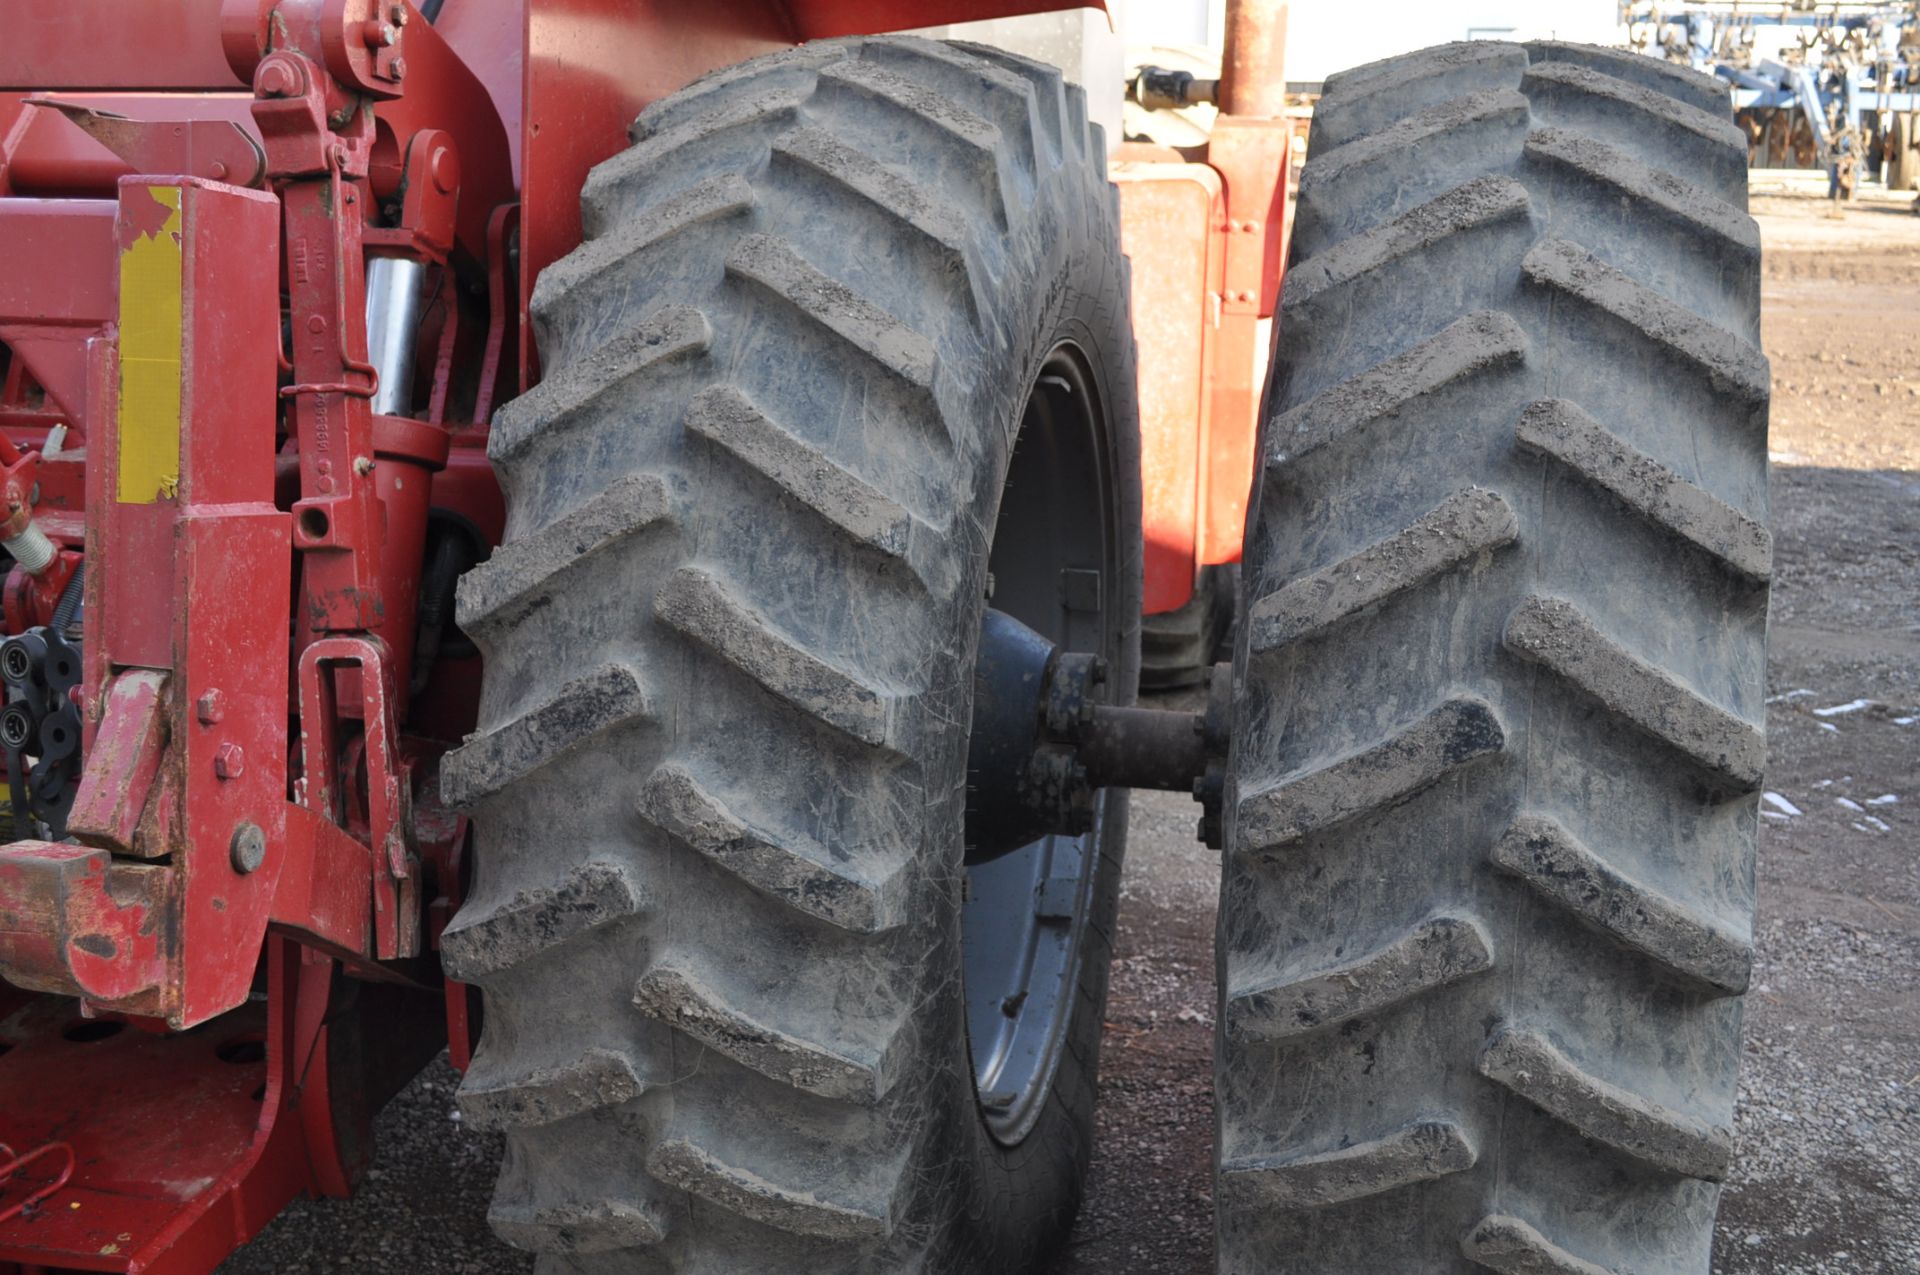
(102, 1102)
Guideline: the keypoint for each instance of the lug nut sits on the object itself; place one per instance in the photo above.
(229, 761)
(210, 707)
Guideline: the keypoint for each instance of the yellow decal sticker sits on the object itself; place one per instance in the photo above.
(150, 354)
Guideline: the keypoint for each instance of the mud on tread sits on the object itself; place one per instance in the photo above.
(1487, 899)
(716, 907)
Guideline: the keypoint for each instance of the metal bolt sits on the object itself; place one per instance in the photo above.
(276, 80)
(399, 68)
(248, 849)
(398, 15)
(229, 761)
(210, 707)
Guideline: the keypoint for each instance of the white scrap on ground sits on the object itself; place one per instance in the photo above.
(1850, 804)
(1840, 709)
(1884, 799)
(1802, 693)
(1780, 803)
(1881, 824)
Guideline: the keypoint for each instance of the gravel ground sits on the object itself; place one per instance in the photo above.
(1828, 1175)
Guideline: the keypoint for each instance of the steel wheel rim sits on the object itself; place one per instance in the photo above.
(1024, 920)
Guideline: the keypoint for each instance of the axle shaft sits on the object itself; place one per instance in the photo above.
(1041, 743)
(1143, 748)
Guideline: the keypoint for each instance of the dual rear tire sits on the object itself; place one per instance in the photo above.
(844, 354)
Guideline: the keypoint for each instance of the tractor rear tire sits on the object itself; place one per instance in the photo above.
(1179, 648)
(1486, 911)
(1903, 153)
(828, 302)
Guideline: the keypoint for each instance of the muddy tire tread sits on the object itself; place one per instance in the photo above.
(1505, 578)
(749, 489)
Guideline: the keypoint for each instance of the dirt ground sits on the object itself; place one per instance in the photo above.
(1828, 1174)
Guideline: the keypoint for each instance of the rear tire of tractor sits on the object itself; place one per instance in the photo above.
(1486, 907)
(843, 314)
(1903, 158)
(1179, 648)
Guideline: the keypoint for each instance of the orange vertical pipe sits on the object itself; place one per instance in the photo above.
(1253, 68)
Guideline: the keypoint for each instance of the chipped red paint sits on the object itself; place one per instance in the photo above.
(142, 216)
(74, 921)
(128, 747)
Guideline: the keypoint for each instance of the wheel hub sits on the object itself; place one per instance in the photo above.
(1043, 743)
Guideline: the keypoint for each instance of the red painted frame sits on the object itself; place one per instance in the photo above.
(1206, 237)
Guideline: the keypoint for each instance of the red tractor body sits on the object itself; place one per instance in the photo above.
(226, 874)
